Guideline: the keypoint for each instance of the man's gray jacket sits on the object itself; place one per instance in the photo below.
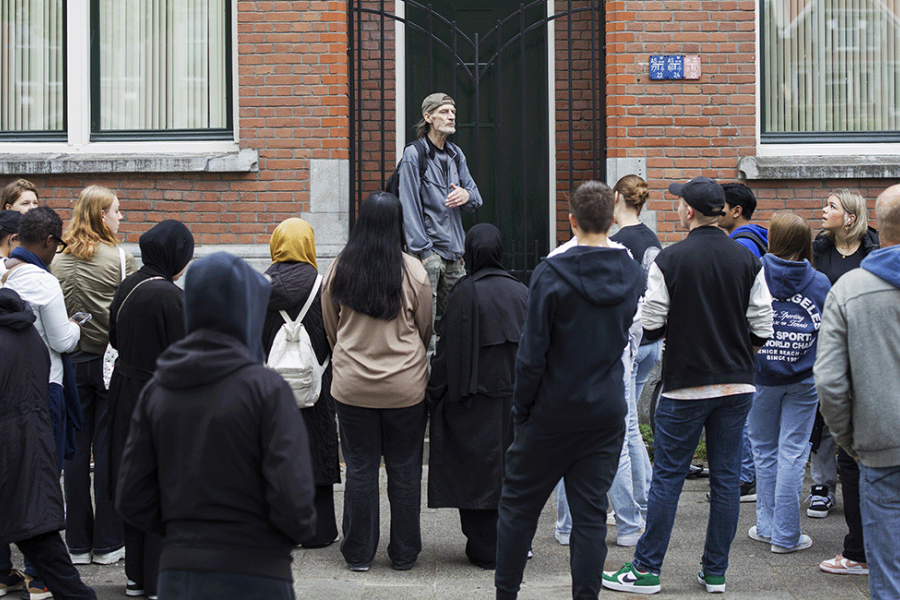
(857, 366)
(431, 226)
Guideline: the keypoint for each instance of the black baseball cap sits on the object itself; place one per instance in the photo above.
(702, 194)
(9, 221)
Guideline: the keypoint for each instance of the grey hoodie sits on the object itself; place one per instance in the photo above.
(857, 368)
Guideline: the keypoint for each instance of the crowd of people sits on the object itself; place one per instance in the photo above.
(203, 469)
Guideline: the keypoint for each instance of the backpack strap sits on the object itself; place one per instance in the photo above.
(306, 305)
(753, 237)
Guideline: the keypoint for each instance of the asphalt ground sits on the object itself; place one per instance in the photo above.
(443, 573)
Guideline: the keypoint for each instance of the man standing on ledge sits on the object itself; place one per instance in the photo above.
(434, 184)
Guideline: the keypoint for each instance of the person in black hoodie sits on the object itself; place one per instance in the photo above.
(145, 317)
(31, 505)
(569, 398)
(470, 392)
(217, 458)
(293, 272)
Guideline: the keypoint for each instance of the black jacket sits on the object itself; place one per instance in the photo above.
(569, 371)
(822, 246)
(31, 501)
(471, 385)
(217, 458)
(291, 283)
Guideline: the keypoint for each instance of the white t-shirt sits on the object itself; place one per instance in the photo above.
(41, 290)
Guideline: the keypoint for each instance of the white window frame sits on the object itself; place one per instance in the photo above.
(78, 103)
(847, 149)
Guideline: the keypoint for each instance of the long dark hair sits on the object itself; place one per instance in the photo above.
(369, 274)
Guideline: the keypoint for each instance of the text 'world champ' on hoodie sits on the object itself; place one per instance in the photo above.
(798, 297)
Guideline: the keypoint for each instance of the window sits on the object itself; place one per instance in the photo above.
(830, 72)
(32, 68)
(155, 70)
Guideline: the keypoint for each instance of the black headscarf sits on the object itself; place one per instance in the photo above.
(166, 249)
(484, 258)
(225, 294)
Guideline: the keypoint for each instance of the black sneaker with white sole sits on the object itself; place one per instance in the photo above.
(748, 491)
(820, 502)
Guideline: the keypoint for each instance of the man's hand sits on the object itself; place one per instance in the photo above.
(457, 197)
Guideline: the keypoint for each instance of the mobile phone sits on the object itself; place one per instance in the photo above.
(81, 317)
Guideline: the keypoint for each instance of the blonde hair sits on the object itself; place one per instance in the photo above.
(87, 228)
(855, 205)
(634, 191)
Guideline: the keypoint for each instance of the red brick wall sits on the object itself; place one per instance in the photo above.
(586, 75)
(688, 128)
(292, 74)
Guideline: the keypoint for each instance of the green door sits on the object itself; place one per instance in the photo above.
(485, 56)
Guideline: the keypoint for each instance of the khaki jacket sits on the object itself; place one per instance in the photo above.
(89, 286)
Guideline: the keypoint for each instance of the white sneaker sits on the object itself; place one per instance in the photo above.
(754, 535)
(109, 558)
(804, 543)
(611, 518)
(81, 559)
(562, 538)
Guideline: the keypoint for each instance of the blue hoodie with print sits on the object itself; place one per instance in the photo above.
(798, 297)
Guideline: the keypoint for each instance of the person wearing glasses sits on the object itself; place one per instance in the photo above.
(90, 270)
(40, 233)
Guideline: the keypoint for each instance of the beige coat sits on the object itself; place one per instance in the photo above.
(89, 286)
(377, 363)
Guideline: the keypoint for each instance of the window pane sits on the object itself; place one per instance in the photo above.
(162, 64)
(32, 65)
(831, 66)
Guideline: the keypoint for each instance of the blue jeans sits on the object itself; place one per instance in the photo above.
(880, 504)
(780, 422)
(678, 427)
(748, 468)
(91, 527)
(367, 434)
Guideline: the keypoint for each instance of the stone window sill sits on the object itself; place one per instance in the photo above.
(819, 167)
(243, 161)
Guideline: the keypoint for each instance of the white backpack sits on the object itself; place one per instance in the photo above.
(292, 356)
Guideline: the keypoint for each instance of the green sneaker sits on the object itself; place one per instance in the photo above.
(713, 584)
(629, 579)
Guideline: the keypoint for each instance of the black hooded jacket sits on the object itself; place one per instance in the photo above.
(31, 501)
(217, 458)
(141, 328)
(569, 371)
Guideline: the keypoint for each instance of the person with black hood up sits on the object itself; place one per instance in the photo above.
(31, 504)
(217, 457)
(569, 400)
(145, 317)
(294, 272)
(470, 392)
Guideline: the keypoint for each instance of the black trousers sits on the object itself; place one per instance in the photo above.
(50, 558)
(535, 462)
(480, 529)
(142, 551)
(326, 524)
(853, 541)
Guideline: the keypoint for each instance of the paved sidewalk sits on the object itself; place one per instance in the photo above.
(443, 573)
